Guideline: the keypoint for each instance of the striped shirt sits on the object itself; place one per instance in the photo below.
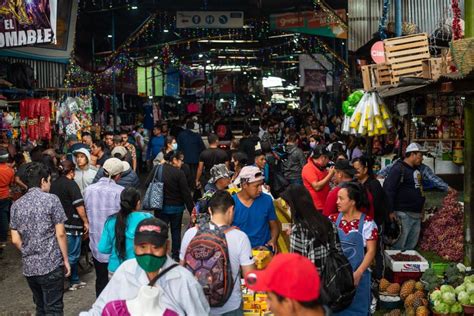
(101, 199)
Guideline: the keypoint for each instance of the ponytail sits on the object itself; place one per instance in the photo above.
(128, 202)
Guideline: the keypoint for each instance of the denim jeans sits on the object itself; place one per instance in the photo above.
(73, 254)
(411, 225)
(48, 292)
(174, 220)
(4, 219)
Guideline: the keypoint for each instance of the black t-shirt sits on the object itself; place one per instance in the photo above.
(102, 160)
(70, 196)
(212, 157)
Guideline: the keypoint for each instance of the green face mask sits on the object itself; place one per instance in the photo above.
(150, 263)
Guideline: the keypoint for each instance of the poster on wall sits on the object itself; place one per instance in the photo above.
(61, 20)
(27, 22)
(315, 62)
(315, 80)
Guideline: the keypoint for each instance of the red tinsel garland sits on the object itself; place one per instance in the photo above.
(457, 31)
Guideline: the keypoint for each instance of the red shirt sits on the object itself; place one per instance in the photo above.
(311, 173)
(331, 204)
(6, 178)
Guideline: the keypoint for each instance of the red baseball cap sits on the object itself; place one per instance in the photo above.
(290, 275)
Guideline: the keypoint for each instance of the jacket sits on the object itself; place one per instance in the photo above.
(155, 145)
(183, 293)
(191, 145)
(176, 190)
(295, 162)
(128, 178)
(84, 177)
(404, 188)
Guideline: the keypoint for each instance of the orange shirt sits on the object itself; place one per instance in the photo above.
(311, 173)
(7, 175)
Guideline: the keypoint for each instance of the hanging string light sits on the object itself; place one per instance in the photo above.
(332, 16)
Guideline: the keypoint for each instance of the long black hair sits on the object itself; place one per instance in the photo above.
(304, 213)
(356, 193)
(128, 202)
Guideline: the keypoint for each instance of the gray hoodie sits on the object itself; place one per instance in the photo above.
(84, 177)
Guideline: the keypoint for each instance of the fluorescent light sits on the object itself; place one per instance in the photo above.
(208, 61)
(221, 51)
(227, 41)
(200, 55)
(155, 57)
(245, 72)
(237, 57)
(150, 97)
(134, 7)
(255, 78)
(222, 100)
(109, 36)
(282, 35)
(165, 31)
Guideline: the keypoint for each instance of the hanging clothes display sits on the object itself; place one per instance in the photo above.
(35, 116)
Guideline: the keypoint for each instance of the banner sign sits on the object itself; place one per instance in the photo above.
(27, 22)
(210, 19)
(58, 51)
(309, 22)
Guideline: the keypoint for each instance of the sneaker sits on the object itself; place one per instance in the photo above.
(77, 286)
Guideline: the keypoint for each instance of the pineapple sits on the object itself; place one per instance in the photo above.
(410, 311)
(422, 311)
(409, 300)
(419, 286)
(384, 284)
(393, 289)
(419, 302)
(407, 288)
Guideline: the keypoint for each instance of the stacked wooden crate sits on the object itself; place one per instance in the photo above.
(405, 55)
(375, 76)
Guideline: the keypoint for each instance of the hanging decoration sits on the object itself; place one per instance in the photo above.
(349, 105)
(457, 30)
(332, 17)
(370, 118)
(383, 19)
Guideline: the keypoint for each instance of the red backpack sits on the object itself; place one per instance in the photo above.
(207, 257)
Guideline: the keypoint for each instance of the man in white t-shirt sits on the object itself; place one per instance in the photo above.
(221, 207)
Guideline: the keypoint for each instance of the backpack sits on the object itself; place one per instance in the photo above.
(337, 279)
(221, 131)
(207, 257)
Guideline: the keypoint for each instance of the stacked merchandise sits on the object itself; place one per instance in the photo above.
(74, 114)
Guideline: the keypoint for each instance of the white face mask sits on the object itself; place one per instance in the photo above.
(312, 145)
(174, 146)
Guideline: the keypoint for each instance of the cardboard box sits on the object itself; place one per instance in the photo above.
(406, 266)
(434, 67)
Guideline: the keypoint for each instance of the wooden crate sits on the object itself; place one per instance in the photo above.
(375, 76)
(405, 55)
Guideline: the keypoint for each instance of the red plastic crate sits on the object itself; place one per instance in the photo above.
(400, 277)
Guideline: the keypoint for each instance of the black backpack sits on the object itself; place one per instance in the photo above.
(337, 279)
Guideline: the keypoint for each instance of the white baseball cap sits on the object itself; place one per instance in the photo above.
(115, 166)
(415, 147)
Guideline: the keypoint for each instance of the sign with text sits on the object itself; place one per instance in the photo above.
(210, 19)
(377, 52)
(27, 22)
(309, 22)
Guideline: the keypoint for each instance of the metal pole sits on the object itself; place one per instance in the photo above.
(468, 150)
(398, 18)
(114, 103)
(205, 83)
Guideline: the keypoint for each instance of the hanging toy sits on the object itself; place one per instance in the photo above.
(370, 117)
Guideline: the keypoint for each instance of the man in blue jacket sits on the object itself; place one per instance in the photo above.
(191, 144)
(404, 188)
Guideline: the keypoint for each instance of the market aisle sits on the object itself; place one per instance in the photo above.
(16, 297)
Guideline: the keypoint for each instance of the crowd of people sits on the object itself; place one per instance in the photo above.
(91, 198)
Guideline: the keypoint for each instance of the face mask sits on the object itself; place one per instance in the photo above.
(151, 263)
(174, 146)
(312, 145)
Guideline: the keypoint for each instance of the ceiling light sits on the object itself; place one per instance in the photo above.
(255, 78)
(227, 41)
(291, 57)
(134, 7)
(245, 72)
(282, 35)
(208, 61)
(109, 36)
(179, 102)
(155, 57)
(150, 97)
(165, 31)
(200, 55)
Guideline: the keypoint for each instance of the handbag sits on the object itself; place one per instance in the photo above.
(154, 195)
